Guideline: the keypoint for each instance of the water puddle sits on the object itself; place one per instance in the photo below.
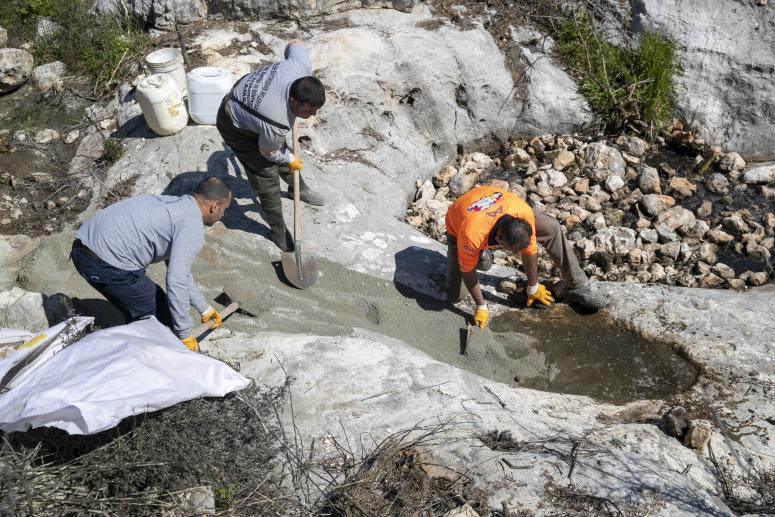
(585, 355)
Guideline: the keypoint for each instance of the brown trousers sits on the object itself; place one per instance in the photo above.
(549, 234)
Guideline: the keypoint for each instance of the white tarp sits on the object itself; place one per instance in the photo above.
(94, 383)
(9, 336)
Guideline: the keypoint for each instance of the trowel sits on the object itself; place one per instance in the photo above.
(231, 308)
(471, 335)
(301, 271)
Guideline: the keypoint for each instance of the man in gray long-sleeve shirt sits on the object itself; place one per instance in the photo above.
(254, 120)
(113, 248)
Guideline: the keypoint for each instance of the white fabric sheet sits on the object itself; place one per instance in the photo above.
(94, 383)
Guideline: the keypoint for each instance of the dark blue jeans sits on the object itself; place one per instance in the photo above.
(135, 295)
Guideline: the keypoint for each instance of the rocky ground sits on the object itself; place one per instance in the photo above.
(631, 216)
(373, 350)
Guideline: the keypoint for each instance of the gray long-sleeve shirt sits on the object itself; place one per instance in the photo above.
(266, 91)
(142, 230)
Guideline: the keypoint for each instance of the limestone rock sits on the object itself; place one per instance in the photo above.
(754, 277)
(614, 183)
(563, 159)
(681, 186)
(617, 240)
(711, 281)
(665, 233)
(723, 271)
(649, 235)
(556, 178)
(603, 161)
(46, 27)
(760, 175)
(670, 249)
(719, 236)
(441, 179)
(581, 185)
(46, 136)
(71, 136)
(15, 67)
(707, 252)
(676, 217)
(48, 77)
(717, 183)
(648, 181)
(697, 230)
(654, 204)
(507, 287)
(3, 37)
(731, 162)
(463, 511)
(735, 223)
(705, 209)
(636, 146)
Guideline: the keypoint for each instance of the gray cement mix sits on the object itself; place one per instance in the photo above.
(518, 353)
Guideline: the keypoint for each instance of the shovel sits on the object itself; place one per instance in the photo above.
(301, 271)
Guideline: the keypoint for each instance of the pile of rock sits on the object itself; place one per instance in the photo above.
(628, 221)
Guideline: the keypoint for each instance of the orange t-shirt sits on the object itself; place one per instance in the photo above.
(472, 216)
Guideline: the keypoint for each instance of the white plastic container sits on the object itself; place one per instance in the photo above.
(168, 61)
(162, 105)
(207, 86)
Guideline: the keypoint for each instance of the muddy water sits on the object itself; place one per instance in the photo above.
(587, 356)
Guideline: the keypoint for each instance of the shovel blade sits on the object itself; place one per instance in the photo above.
(300, 270)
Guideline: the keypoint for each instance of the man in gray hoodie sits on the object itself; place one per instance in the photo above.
(112, 249)
(254, 120)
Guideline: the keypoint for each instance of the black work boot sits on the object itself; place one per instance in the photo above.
(305, 193)
(278, 233)
(586, 297)
(282, 238)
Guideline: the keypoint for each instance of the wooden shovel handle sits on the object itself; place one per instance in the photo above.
(296, 193)
(225, 313)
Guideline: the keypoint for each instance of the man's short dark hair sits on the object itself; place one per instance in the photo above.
(517, 232)
(212, 188)
(308, 90)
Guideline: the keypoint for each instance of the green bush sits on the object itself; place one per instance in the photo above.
(103, 48)
(18, 17)
(627, 88)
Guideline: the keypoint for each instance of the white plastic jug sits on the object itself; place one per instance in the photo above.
(207, 86)
(162, 105)
(168, 61)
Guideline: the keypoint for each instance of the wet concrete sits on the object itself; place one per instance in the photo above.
(589, 356)
(554, 350)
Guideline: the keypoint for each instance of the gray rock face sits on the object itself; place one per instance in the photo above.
(726, 85)
(162, 14)
(3, 37)
(553, 97)
(15, 67)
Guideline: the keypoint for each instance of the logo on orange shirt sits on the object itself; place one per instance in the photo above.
(484, 203)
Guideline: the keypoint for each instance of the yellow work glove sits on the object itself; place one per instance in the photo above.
(295, 165)
(212, 314)
(541, 295)
(481, 316)
(190, 343)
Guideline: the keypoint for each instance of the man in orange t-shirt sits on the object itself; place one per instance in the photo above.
(489, 218)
